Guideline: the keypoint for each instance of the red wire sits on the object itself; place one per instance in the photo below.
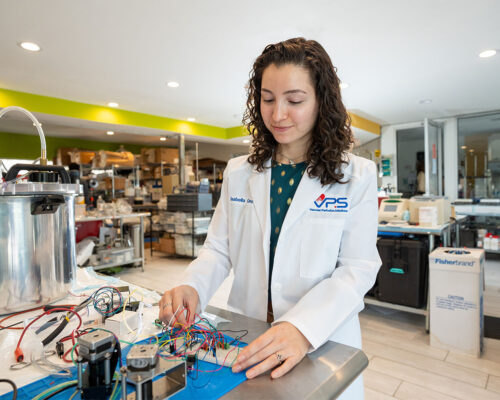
(15, 314)
(18, 352)
(222, 365)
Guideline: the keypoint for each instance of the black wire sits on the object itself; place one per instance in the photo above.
(10, 326)
(14, 387)
(59, 391)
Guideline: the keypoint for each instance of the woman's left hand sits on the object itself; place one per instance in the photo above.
(282, 346)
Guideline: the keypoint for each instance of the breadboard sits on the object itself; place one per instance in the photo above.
(224, 357)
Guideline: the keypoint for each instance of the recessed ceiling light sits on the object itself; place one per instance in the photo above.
(110, 133)
(191, 119)
(487, 53)
(112, 104)
(344, 85)
(173, 84)
(464, 147)
(246, 141)
(30, 46)
(425, 101)
(163, 138)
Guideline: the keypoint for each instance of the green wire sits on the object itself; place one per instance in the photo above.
(54, 389)
(72, 350)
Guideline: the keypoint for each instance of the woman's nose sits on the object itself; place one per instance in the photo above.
(279, 112)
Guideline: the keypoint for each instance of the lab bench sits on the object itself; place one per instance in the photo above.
(322, 374)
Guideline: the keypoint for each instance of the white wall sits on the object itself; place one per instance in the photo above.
(450, 153)
(367, 150)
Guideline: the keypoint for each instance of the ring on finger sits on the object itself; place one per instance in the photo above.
(166, 305)
(279, 357)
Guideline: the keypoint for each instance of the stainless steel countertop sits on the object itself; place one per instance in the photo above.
(323, 374)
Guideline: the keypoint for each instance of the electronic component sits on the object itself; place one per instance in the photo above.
(223, 354)
(142, 357)
(190, 360)
(101, 351)
(143, 365)
(123, 323)
(59, 349)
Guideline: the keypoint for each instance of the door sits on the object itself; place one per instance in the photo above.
(433, 135)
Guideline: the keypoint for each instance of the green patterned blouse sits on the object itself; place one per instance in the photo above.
(285, 179)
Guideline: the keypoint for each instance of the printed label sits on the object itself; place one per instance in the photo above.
(454, 303)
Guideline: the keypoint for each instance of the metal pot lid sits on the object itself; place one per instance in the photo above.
(31, 188)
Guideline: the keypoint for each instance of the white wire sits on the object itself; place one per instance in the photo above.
(54, 367)
(173, 316)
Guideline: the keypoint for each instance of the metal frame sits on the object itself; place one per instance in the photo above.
(428, 163)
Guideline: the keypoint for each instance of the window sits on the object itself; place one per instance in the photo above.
(479, 156)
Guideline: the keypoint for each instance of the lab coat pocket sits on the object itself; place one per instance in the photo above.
(320, 246)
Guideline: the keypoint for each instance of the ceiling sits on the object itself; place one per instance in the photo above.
(393, 54)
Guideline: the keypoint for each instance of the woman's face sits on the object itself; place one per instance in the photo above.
(288, 105)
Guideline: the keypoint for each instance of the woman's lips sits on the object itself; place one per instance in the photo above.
(281, 129)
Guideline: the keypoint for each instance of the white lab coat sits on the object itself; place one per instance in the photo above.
(326, 257)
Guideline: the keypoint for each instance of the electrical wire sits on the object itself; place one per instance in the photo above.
(14, 387)
(18, 352)
(14, 315)
(55, 370)
(55, 390)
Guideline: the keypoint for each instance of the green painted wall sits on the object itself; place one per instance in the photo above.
(27, 147)
(91, 112)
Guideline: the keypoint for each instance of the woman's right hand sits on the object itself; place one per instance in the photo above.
(175, 301)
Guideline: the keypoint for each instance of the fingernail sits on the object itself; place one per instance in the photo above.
(250, 374)
(236, 368)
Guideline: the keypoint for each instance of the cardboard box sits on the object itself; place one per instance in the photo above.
(156, 245)
(168, 183)
(428, 216)
(147, 155)
(167, 245)
(167, 155)
(442, 204)
(119, 183)
(456, 285)
(157, 173)
(147, 172)
(63, 156)
(82, 156)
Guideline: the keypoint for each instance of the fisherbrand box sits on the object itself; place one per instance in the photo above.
(456, 284)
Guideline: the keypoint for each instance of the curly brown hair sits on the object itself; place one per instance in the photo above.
(331, 136)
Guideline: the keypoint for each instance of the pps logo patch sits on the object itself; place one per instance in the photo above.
(330, 204)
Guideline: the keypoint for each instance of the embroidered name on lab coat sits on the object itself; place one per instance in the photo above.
(241, 200)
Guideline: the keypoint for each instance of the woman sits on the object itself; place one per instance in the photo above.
(297, 219)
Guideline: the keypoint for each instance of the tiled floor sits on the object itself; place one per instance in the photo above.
(402, 363)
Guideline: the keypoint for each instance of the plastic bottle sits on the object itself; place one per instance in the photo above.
(494, 243)
(100, 204)
(406, 215)
(487, 241)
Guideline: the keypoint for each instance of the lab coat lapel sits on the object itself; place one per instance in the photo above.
(260, 185)
(307, 191)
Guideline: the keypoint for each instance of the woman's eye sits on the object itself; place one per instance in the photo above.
(295, 102)
(267, 100)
